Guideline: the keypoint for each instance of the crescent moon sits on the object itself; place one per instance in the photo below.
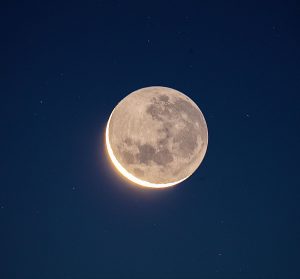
(156, 137)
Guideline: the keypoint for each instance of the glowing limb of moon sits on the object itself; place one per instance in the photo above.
(125, 173)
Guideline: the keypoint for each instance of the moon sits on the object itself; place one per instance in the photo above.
(156, 137)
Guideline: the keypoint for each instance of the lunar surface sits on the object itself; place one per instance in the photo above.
(156, 137)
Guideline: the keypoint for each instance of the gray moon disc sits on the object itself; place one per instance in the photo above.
(158, 135)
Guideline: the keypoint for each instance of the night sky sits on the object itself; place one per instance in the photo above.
(64, 210)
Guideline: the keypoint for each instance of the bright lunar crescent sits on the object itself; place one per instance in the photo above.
(156, 137)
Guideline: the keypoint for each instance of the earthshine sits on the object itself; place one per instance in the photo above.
(156, 137)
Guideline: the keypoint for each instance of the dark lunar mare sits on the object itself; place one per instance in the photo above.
(168, 113)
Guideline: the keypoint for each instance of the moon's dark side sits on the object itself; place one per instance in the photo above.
(158, 135)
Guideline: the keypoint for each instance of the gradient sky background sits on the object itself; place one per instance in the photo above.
(66, 213)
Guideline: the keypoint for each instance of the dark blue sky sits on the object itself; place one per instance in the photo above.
(65, 213)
